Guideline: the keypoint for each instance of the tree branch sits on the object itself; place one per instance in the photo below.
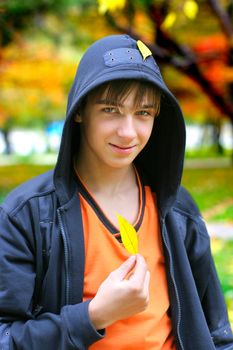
(223, 17)
(184, 61)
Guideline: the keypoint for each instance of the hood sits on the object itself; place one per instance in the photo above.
(118, 57)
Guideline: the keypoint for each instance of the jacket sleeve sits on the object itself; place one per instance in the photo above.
(207, 281)
(20, 328)
(215, 310)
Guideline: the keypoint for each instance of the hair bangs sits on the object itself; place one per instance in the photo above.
(117, 91)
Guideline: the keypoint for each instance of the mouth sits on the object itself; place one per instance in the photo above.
(122, 149)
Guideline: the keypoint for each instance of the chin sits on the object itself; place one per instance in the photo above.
(121, 163)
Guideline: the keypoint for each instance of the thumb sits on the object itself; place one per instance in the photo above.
(124, 269)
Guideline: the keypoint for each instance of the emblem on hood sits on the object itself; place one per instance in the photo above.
(145, 51)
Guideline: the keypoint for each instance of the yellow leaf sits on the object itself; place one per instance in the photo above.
(145, 51)
(128, 235)
(190, 9)
(110, 5)
(169, 20)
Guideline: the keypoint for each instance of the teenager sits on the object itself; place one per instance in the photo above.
(66, 279)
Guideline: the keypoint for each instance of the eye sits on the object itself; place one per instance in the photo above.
(110, 110)
(143, 112)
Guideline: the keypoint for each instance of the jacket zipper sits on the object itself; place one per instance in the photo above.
(174, 285)
(66, 255)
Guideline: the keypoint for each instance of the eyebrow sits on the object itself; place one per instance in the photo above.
(114, 103)
(108, 102)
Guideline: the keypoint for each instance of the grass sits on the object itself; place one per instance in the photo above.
(13, 175)
(209, 187)
(207, 152)
(225, 215)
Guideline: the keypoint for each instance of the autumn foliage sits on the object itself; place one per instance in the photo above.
(192, 42)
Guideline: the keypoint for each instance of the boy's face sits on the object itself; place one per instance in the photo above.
(113, 134)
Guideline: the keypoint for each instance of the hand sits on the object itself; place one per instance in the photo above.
(124, 293)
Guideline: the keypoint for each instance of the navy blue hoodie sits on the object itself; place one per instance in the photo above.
(41, 233)
(118, 57)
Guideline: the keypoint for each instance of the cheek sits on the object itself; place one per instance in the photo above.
(105, 128)
(97, 131)
(88, 132)
(145, 130)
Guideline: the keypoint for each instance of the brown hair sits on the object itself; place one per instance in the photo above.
(118, 90)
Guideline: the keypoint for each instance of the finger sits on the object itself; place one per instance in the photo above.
(139, 274)
(125, 268)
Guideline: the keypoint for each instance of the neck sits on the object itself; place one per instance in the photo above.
(110, 181)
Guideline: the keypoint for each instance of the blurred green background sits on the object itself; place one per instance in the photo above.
(41, 42)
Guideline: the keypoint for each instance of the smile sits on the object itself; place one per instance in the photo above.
(121, 149)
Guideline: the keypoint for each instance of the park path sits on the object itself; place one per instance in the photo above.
(220, 230)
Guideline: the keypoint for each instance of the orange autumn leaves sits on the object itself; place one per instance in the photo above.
(33, 84)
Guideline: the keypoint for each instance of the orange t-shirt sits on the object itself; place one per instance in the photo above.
(152, 328)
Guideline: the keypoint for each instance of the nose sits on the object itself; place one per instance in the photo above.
(127, 127)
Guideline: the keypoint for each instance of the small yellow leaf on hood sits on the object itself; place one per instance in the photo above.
(145, 51)
(128, 235)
